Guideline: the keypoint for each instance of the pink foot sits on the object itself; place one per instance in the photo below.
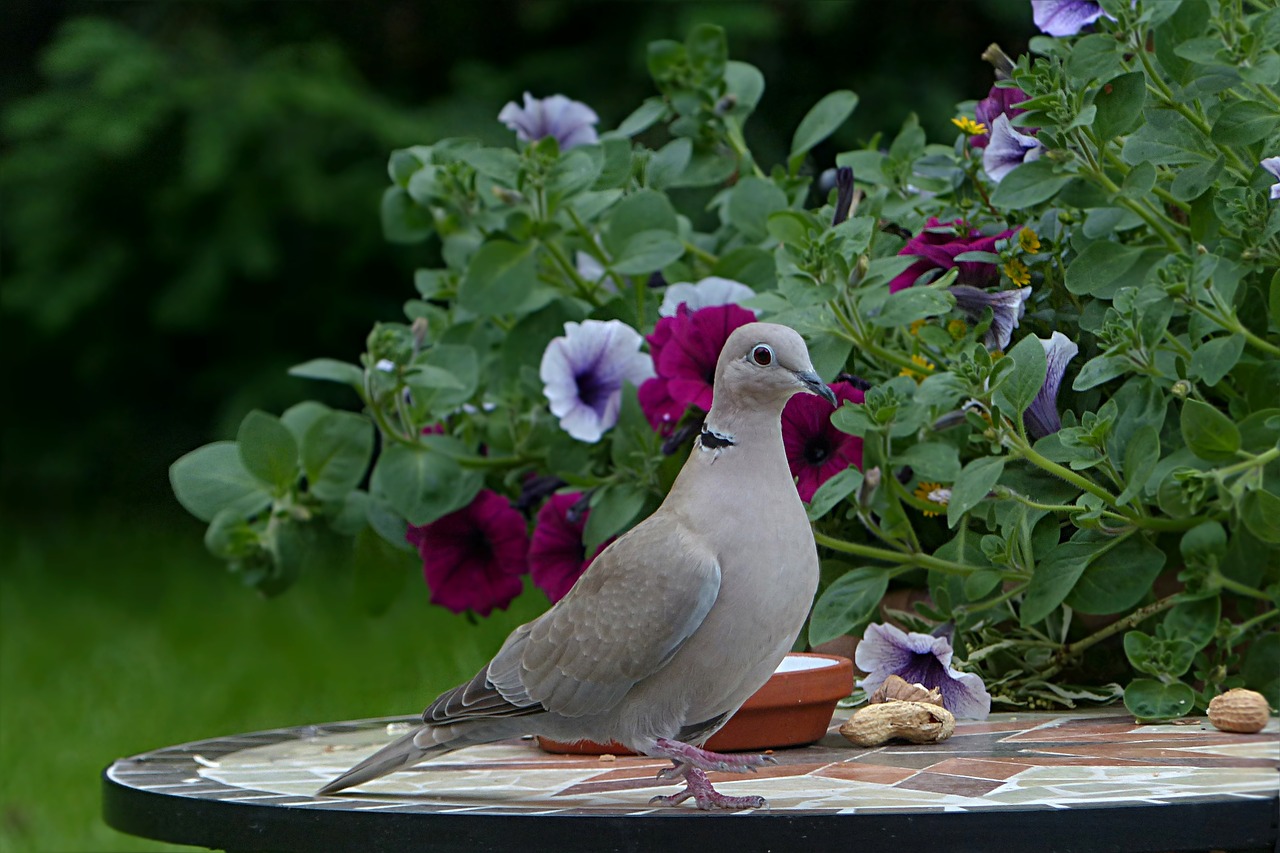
(704, 796)
(687, 754)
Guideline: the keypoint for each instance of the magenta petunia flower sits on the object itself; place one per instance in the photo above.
(1065, 17)
(472, 559)
(685, 348)
(816, 450)
(572, 123)
(937, 246)
(920, 659)
(1000, 101)
(557, 557)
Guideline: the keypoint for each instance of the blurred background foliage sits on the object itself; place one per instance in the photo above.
(191, 189)
(189, 203)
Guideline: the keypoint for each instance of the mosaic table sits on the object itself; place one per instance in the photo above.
(1016, 782)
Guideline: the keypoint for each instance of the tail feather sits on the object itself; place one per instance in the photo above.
(400, 754)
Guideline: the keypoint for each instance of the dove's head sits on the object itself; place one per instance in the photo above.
(763, 365)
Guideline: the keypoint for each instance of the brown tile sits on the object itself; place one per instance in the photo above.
(942, 784)
(873, 773)
(979, 768)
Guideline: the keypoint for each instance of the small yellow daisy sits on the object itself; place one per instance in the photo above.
(926, 366)
(915, 327)
(1017, 272)
(968, 126)
(934, 493)
(1028, 240)
(957, 329)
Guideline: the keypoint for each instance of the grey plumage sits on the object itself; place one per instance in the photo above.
(679, 621)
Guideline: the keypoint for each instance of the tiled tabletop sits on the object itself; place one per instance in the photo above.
(1072, 770)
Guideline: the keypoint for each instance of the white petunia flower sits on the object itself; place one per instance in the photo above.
(583, 373)
(707, 293)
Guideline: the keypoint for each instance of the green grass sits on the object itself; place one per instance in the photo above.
(117, 638)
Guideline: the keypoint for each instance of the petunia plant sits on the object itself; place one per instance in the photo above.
(1055, 338)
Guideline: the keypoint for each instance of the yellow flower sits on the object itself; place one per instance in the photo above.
(957, 329)
(918, 375)
(968, 126)
(1028, 240)
(1017, 272)
(915, 327)
(934, 493)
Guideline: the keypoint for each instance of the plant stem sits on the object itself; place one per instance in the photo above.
(1239, 588)
(1137, 617)
(1078, 480)
(924, 561)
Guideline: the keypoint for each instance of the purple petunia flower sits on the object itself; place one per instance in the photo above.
(557, 556)
(1272, 165)
(685, 350)
(472, 559)
(1041, 418)
(1007, 308)
(816, 450)
(570, 122)
(1008, 149)
(937, 247)
(920, 659)
(584, 371)
(1060, 18)
(1000, 101)
(707, 293)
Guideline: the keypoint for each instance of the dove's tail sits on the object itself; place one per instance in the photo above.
(400, 754)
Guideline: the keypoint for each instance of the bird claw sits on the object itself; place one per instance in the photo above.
(706, 797)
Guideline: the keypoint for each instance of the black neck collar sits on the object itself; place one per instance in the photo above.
(712, 440)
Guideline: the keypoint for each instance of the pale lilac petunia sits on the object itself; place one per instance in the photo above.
(1041, 418)
(1007, 308)
(1065, 17)
(920, 659)
(708, 292)
(570, 122)
(1272, 165)
(583, 373)
(1008, 149)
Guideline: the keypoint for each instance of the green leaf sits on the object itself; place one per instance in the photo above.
(499, 277)
(1214, 358)
(643, 117)
(1141, 455)
(1029, 184)
(644, 210)
(457, 361)
(911, 304)
(612, 509)
(423, 485)
(931, 460)
(1118, 579)
(848, 604)
(648, 252)
(708, 50)
(1119, 104)
(402, 220)
(1171, 657)
(833, 491)
(821, 121)
(1260, 512)
(746, 84)
(1101, 369)
(1261, 668)
(230, 537)
(576, 170)
(1094, 57)
(1210, 434)
(329, 370)
(299, 418)
(1190, 182)
(977, 479)
(268, 450)
(791, 227)
(1194, 621)
(1104, 266)
(1021, 385)
(668, 163)
(1056, 575)
(750, 204)
(1244, 123)
(426, 376)
(979, 584)
(335, 454)
(212, 478)
(1167, 139)
(1148, 699)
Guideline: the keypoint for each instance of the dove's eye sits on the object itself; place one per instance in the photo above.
(762, 355)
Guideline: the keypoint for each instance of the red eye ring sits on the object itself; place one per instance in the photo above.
(762, 355)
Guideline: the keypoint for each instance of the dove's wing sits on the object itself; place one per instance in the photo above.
(623, 620)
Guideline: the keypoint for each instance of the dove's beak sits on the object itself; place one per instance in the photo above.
(814, 384)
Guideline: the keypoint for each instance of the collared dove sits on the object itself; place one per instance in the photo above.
(679, 621)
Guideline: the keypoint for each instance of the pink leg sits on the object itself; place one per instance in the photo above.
(691, 763)
(706, 797)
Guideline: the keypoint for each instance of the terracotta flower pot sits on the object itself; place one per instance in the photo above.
(793, 708)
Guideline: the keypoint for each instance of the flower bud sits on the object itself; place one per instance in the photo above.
(870, 482)
(1181, 389)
